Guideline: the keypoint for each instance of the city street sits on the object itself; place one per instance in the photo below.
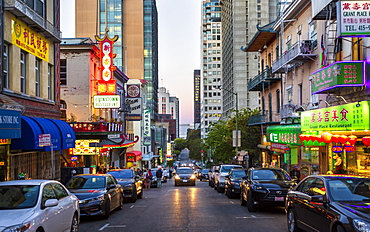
(187, 208)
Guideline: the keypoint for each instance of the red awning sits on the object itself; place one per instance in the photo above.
(137, 154)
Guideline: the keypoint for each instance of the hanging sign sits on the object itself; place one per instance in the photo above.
(353, 18)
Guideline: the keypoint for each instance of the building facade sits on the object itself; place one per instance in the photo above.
(197, 97)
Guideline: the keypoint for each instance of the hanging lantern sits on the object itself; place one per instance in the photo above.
(326, 137)
(352, 139)
(343, 139)
(335, 138)
(366, 140)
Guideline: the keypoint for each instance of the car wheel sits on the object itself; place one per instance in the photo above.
(242, 201)
(176, 183)
(228, 193)
(140, 195)
(292, 223)
(340, 228)
(219, 189)
(215, 186)
(120, 206)
(134, 196)
(194, 183)
(250, 203)
(107, 210)
(74, 225)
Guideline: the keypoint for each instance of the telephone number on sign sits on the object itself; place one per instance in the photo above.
(363, 27)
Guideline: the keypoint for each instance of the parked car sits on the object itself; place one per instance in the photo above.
(185, 176)
(203, 174)
(211, 175)
(219, 177)
(131, 183)
(329, 203)
(37, 205)
(99, 194)
(264, 186)
(232, 182)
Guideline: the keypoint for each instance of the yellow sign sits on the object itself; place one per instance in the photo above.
(2, 163)
(4, 141)
(29, 40)
(82, 147)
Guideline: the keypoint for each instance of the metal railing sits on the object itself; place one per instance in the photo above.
(266, 73)
(263, 118)
(96, 127)
(288, 111)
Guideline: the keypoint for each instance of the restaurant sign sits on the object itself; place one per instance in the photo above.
(284, 134)
(339, 74)
(353, 116)
(353, 18)
(278, 147)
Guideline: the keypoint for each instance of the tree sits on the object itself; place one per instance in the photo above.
(194, 143)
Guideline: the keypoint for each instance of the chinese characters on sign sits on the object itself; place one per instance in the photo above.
(284, 137)
(354, 18)
(29, 40)
(146, 128)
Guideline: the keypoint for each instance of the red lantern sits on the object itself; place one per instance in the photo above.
(366, 141)
(326, 137)
(343, 139)
(352, 139)
(335, 138)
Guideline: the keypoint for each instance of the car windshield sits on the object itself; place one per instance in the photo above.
(121, 174)
(18, 196)
(349, 189)
(228, 168)
(184, 171)
(238, 173)
(205, 171)
(86, 183)
(269, 174)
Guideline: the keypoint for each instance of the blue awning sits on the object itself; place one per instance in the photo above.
(29, 136)
(67, 134)
(48, 127)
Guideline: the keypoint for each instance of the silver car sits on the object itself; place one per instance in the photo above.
(37, 205)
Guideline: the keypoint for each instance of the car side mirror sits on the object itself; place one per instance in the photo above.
(111, 186)
(50, 203)
(318, 199)
(245, 177)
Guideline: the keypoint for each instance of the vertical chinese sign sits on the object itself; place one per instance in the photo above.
(146, 128)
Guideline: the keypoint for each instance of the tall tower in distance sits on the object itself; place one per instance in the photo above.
(197, 99)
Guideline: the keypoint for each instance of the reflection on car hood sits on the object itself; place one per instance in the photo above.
(359, 208)
(185, 175)
(87, 193)
(15, 216)
(273, 183)
(125, 181)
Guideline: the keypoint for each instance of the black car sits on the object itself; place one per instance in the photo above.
(131, 183)
(329, 203)
(232, 182)
(98, 194)
(264, 186)
(203, 174)
(184, 176)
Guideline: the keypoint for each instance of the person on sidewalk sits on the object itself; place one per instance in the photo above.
(148, 179)
(159, 175)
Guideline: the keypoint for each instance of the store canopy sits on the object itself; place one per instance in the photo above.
(137, 155)
(30, 132)
(113, 143)
(67, 134)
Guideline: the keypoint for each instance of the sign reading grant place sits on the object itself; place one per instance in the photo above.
(107, 101)
(353, 18)
(339, 74)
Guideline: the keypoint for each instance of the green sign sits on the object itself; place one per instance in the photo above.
(285, 134)
(339, 74)
(353, 116)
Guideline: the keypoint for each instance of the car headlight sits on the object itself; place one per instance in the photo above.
(177, 177)
(361, 226)
(21, 227)
(98, 198)
(256, 187)
(192, 176)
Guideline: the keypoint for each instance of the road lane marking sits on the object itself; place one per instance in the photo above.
(232, 202)
(105, 226)
(118, 226)
(254, 217)
(132, 206)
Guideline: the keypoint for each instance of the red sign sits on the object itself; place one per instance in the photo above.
(278, 147)
(44, 140)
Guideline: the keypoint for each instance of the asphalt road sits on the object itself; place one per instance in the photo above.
(188, 209)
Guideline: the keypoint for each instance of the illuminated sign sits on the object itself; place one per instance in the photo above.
(339, 74)
(107, 101)
(29, 40)
(107, 87)
(133, 91)
(82, 147)
(353, 18)
(352, 116)
(146, 128)
(135, 107)
(278, 147)
(284, 134)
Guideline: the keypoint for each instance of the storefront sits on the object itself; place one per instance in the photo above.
(285, 145)
(337, 138)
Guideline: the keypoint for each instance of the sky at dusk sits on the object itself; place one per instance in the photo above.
(179, 47)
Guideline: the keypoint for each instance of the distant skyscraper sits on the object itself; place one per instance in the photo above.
(197, 99)
(211, 99)
(169, 105)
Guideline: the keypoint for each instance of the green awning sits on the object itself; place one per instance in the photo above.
(285, 134)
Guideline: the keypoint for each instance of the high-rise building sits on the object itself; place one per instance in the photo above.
(239, 20)
(211, 99)
(197, 97)
(169, 105)
(136, 24)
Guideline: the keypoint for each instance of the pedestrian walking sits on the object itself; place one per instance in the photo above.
(165, 175)
(148, 178)
(159, 175)
(295, 173)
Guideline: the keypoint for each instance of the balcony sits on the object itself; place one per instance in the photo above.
(290, 111)
(44, 27)
(96, 128)
(265, 117)
(262, 80)
(294, 56)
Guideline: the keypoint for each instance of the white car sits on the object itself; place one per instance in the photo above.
(37, 205)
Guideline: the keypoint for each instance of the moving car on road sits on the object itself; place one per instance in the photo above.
(99, 194)
(37, 205)
(131, 183)
(203, 174)
(264, 186)
(232, 182)
(185, 176)
(329, 203)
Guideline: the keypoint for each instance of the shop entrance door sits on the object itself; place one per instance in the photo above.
(3, 163)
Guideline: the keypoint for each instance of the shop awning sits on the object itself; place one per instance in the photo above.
(29, 139)
(285, 134)
(136, 155)
(264, 147)
(113, 143)
(67, 133)
(47, 127)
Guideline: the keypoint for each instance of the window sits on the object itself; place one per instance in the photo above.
(6, 67)
(37, 81)
(37, 5)
(163, 99)
(278, 100)
(60, 191)
(50, 82)
(23, 72)
(63, 72)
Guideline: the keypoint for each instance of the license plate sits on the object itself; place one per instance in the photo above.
(279, 198)
(185, 181)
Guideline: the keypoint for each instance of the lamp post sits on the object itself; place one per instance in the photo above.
(236, 118)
